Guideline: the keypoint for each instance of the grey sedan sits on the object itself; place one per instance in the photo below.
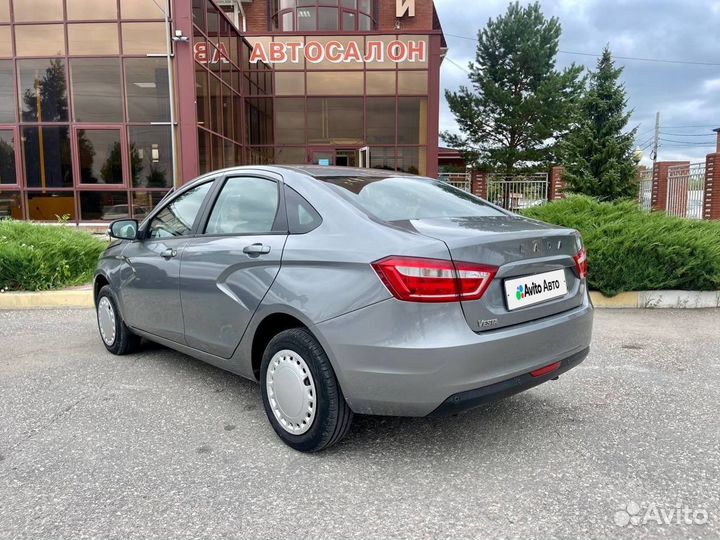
(348, 291)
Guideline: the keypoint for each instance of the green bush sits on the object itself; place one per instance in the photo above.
(632, 250)
(37, 257)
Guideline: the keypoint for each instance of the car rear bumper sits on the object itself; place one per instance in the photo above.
(405, 359)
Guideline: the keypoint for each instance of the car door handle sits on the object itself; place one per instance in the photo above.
(256, 249)
(169, 253)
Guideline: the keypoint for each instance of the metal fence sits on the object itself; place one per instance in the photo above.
(459, 180)
(516, 193)
(645, 189)
(686, 190)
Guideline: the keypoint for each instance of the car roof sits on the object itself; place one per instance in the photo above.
(322, 171)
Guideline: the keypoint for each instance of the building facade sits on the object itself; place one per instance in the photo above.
(105, 105)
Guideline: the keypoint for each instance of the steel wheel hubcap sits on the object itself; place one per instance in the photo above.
(291, 391)
(106, 321)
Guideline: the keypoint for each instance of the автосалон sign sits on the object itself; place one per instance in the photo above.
(336, 52)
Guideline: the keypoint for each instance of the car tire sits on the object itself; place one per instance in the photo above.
(301, 394)
(115, 335)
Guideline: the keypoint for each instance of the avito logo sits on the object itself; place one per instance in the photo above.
(535, 288)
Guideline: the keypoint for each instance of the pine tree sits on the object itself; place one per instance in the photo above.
(598, 154)
(519, 104)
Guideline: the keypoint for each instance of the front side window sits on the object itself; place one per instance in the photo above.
(178, 217)
(245, 206)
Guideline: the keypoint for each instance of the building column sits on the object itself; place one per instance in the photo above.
(557, 184)
(660, 183)
(711, 206)
(185, 91)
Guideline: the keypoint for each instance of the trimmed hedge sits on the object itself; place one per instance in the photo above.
(38, 257)
(632, 250)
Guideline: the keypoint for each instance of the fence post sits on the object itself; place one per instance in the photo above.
(711, 207)
(660, 184)
(478, 183)
(557, 184)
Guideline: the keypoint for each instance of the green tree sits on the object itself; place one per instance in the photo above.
(519, 105)
(598, 154)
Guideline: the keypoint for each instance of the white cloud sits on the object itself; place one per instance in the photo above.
(711, 85)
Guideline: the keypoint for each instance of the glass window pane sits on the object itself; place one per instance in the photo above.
(40, 40)
(43, 90)
(290, 155)
(244, 206)
(213, 20)
(409, 160)
(150, 157)
(10, 205)
(338, 83)
(144, 201)
(349, 21)
(46, 157)
(364, 23)
(415, 65)
(352, 4)
(5, 41)
(96, 89)
(141, 9)
(216, 116)
(201, 93)
(217, 152)
(380, 121)
(386, 40)
(382, 158)
(204, 151)
(306, 19)
(91, 9)
(100, 156)
(227, 112)
(259, 121)
(97, 39)
(412, 121)
(38, 10)
(178, 217)
(344, 43)
(8, 173)
(7, 92)
(290, 121)
(300, 64)
(327, 18)
(198, 13)
(146, 82)
(4, 10)
(289, 84)
(365, 6)
(144, 38)
(105, 205)
(287, 21)
(413, 82)
(380, 82)
(51, 205)
(285, 4)
(335, 120)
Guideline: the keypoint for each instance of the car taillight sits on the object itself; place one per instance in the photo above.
(581, 263)
(433, 280)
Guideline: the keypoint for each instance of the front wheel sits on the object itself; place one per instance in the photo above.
(301, 394)
(115, 335)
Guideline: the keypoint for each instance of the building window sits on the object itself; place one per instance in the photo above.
(10, 205)
(336, 121)
(38, 10)
(40, 40)
(100, 156)
(105, 205)
(91, 10)
(46, 157)
(51, 205)
(7, 92)
(146, 82)
(7, 159)
(323, 15)
(94, 38)
(150, 157)
(96, 89)
(43, 90)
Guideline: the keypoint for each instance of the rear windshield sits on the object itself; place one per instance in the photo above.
(403, 198)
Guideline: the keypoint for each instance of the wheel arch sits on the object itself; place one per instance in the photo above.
(270, 326)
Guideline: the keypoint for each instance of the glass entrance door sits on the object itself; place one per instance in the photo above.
(323, 156)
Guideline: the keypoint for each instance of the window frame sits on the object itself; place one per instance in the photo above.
(124, 158)
(280, 224)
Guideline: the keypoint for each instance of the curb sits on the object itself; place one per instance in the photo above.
(72, 298)
(83, 298)
(658, 300)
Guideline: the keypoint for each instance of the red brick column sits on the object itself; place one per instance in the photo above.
(557, 184)
(478, 183)
(711, 209)
(660, 183)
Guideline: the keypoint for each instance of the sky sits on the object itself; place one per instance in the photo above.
(686, 95)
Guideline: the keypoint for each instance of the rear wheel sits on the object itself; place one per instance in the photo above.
(301, 394)
(115, 335)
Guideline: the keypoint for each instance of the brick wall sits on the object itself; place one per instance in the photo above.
(660, 183)
(711, 208)
(256, 15)
(557, 184)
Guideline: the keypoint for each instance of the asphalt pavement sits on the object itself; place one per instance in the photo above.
(159, 445)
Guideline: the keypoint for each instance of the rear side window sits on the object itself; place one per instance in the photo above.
(246, 205)
(302, 217)
(405, 198)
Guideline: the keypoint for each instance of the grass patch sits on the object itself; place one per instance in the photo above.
(631, 250)
(40, 257)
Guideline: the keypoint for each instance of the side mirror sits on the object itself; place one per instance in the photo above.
(123, 229)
